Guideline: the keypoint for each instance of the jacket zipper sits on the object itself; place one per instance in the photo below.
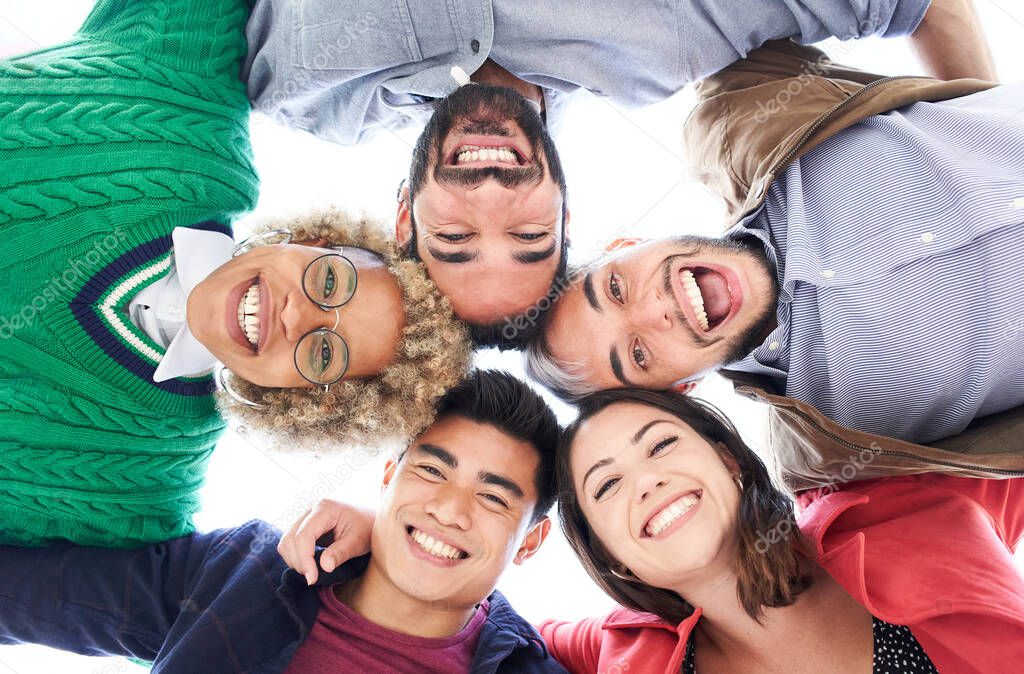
(824, 118)
(890, 452)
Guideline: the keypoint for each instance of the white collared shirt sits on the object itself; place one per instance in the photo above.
(159, 309)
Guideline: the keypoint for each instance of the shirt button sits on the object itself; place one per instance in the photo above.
(827, 273)
(475, 46)
(927, 237)
(774, 346)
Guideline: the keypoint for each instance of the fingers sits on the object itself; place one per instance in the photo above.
(351, 530)
(285, 546)
(315, 524)
(353, 541)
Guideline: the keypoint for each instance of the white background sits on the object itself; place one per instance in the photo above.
(627, 177)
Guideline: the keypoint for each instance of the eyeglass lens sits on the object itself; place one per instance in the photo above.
(330, 281)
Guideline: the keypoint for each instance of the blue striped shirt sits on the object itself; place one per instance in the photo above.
(346, 70)
(899, 248)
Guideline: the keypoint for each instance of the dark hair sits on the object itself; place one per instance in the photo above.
(771, 572)
(501, 400)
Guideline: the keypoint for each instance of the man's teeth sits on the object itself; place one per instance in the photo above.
(436, 547)
(470, 153)
(248, 314)
(696, 299)
(671, 514)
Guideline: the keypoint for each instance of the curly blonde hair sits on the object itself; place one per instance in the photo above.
(432, 356)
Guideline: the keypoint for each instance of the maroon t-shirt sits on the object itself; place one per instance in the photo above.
(344, 641)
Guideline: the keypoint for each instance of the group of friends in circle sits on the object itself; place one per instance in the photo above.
(865, 290)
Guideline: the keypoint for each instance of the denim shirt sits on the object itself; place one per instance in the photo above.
(347, 70)
(217, 602)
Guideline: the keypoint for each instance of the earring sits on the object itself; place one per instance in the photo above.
(739, 481)
(684, 387)
(627, 576)
(225, 384)
(260, 239)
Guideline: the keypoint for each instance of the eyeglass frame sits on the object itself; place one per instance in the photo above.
(246, 244)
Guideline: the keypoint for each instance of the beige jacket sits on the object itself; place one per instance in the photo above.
(751, 121)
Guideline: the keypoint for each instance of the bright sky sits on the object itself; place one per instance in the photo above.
(627, 177)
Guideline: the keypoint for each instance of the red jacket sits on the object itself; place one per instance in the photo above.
(931, 551)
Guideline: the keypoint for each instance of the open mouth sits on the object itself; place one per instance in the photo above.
(672, 513)
(249, 314)
(485, 151)
(707, 296)
(434, 547)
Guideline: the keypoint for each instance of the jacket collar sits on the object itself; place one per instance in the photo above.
(503, 618)
(819, 513)
(628, 619)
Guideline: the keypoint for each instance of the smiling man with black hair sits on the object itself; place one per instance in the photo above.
(467, 498)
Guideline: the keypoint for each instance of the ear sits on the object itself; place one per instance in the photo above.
(403, 218)
(565, 224)
(532, 542)
(620, 244)
(728, 459)
(389, 472)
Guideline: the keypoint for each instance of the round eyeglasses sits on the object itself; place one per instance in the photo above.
(321, 356)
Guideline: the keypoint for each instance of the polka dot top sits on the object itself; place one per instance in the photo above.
(896, 652)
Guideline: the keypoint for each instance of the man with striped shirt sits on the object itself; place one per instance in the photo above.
(873, 273)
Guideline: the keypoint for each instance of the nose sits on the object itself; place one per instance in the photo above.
(450, 506)
(300, 316)
(491, 194)
(651, 312)
(647, 485)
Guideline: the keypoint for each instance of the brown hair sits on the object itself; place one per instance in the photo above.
(771, 571)
(396, 404)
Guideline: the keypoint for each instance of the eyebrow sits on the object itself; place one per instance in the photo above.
(439, 453)
(588, 290)
(501, 481)
(533, 257)
(448, 459)
(646, 427)
(452, 258)
(616, 363)
(600, 464)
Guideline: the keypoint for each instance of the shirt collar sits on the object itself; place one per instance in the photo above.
(197, 253)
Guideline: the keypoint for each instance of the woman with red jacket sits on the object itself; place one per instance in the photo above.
(677, 519)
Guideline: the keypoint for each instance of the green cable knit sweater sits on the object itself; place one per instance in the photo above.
(108, 142)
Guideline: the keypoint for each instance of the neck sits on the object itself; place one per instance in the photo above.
(376, 598)
(726, 628)
(491, 73)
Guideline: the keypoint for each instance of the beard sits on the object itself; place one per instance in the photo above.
(486, 110)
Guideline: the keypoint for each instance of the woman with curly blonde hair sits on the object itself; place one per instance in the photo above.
(430, 354)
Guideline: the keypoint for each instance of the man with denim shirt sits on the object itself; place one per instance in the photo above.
(345, 71)
(465, 499)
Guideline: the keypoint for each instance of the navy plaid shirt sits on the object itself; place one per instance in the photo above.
(218, 602)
